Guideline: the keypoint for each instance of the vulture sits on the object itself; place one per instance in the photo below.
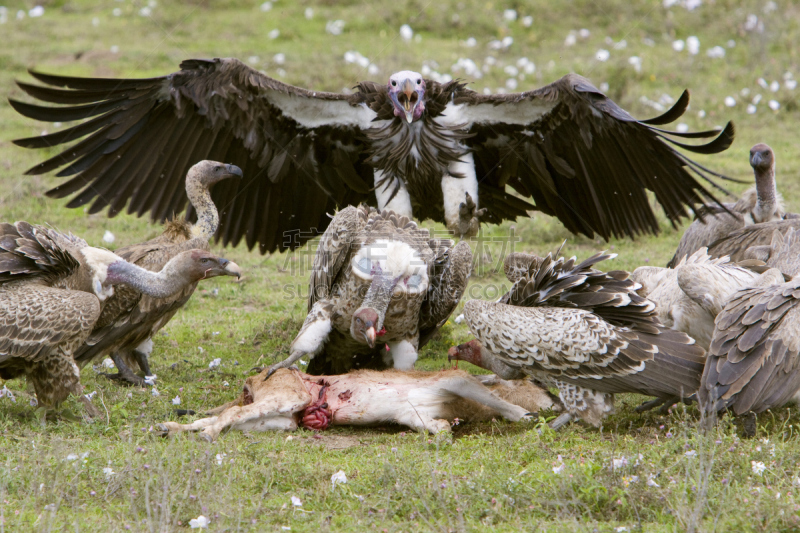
(750, 241)
(584, 331)
(761, 203)
(421, 148)
(689, 296)
(379, 289)
(52, 290)
(130, 318)
(754, 360)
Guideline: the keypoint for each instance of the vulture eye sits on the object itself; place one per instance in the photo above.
(204, 260)
(358, 320)
(419, 81)
(365, 265)
(217, 169)
(394, 83)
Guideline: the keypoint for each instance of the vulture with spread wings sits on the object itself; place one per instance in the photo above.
(418, 147)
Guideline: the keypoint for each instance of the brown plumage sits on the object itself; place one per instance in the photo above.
(427, 149)
(748, 242)
(52, 290)
(379, 289)
(586, 332)
(759, 204)
(130, 318)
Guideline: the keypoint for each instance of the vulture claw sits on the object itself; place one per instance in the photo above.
(468, 217)
(286, 363)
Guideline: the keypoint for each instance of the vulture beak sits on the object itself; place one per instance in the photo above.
(233, 170)
(229, 267)
(408, 105)
(370, 335)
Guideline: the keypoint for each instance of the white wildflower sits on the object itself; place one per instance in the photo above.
(108, 237)
(757, 99)
(116, 12)
(651, 481)
(339, 478)
(108, 471)
(602, 55)
(309, 13)
(604, 86)
(145, 11)
(91, 395)
(758, 467)
(621, 45)
(730, 101)
(527, 21)
(3, 14)
(790, 84)
(215, 363)
(678, 45)
(762, 83)
(716, 52)
(150, 380)
(201, 522)
(701, 113)
(751, 109)
(108, 363)
(510, 15)
(95, 21)
(774, 86)
(155, 392)
(373, 69)
(507, 41)
(752, 23)
(691, 5)
(693, 45)
(5, 393)
(296, 501)
(334, 27)
(571, 39)
(274, 34)
(266, 6)
(682, 127)
(583, 33)
(20, 14)
(774, 105)
(37, 11)
(619, 463)
(114, 49)
(470, 43)
(220, 457)
(176, 400)
(691, 453)
(621, 528)
(406, 33)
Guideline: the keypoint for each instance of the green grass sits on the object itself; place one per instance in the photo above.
(492, 476)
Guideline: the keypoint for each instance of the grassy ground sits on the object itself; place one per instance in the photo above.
(646, 471)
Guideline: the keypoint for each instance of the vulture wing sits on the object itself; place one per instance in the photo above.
(582, 158)
(753, 362)
(449, 275)
(740, 241)
(299, 150)
(28, 251)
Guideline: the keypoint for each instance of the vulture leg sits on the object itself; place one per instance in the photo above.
(392, 193)
(125, 374)
(286, 363)
(652, 404)
(141, 354)
(460, 192)
(561, 420)
(750, 427)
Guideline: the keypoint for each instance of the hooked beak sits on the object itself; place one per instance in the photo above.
(408, 106)
(231, 268)
(452, 353)
(756, 159)
(233, 170)
(370, 335)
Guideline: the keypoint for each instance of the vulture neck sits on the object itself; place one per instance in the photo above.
(207, 215)
(161, 284)
(379, 296)
(767, 195)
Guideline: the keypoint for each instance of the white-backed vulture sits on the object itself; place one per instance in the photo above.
(761, 203)
(584, 331)
(379, 289)
(130, 318)
(428, 149)
(52, 289)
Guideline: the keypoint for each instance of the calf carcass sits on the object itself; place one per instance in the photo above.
(424, 401)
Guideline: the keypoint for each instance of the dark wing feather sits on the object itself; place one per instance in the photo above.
(584, 159)
(29, 252)
(143, 135)
(448, 277)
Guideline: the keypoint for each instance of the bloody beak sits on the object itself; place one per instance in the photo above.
(370, 335)
(408, 105)
(452, 353)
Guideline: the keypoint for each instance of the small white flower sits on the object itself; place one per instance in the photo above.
(774, 105)
(571, 39)
(274, 34)
(266, 6)
(108, 237)
(510, 15)
(758, 467)
(215, 363)
(757, 99)
(583, 33)
(716, 52)
(309, 13)
(176, 400)
(603, 55)
(619, 463)
(691, 453)
(5, 393)
(145, 11)
(693, 45)
(296, 501)
(114, 49)
(762, 83)
(220, 457)
(790, 84)
(701, 113)
(604, 86)
(691, 5)
(730, 101)
(636, 63)
(470, 43)
(751, 109)
(682, 127)
(108, 363)
(559, 468)
(507, 41)
(678, 45)
(279, 59)
(621, 45)
(527, 21)
(334, 27)
(116, 12)
(150, 380)
(155, 392)
(108, 471)
(774, 86)
(621, 528)
(201, 522)
(511, 84)
(91, 395)
(651, 481)
(339, 478)
(37, 11)
(406, 33)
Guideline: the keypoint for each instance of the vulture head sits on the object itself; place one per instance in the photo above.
(363, 325)
(207, 173)
(199, 264)
(407, 93)
(474, 352)
(762, 158)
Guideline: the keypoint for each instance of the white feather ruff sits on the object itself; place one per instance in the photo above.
(395, 259)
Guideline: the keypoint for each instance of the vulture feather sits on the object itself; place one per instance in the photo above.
(379, 289)
(584, 331)
(433, 150)
(130, 319)
(52, 290)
